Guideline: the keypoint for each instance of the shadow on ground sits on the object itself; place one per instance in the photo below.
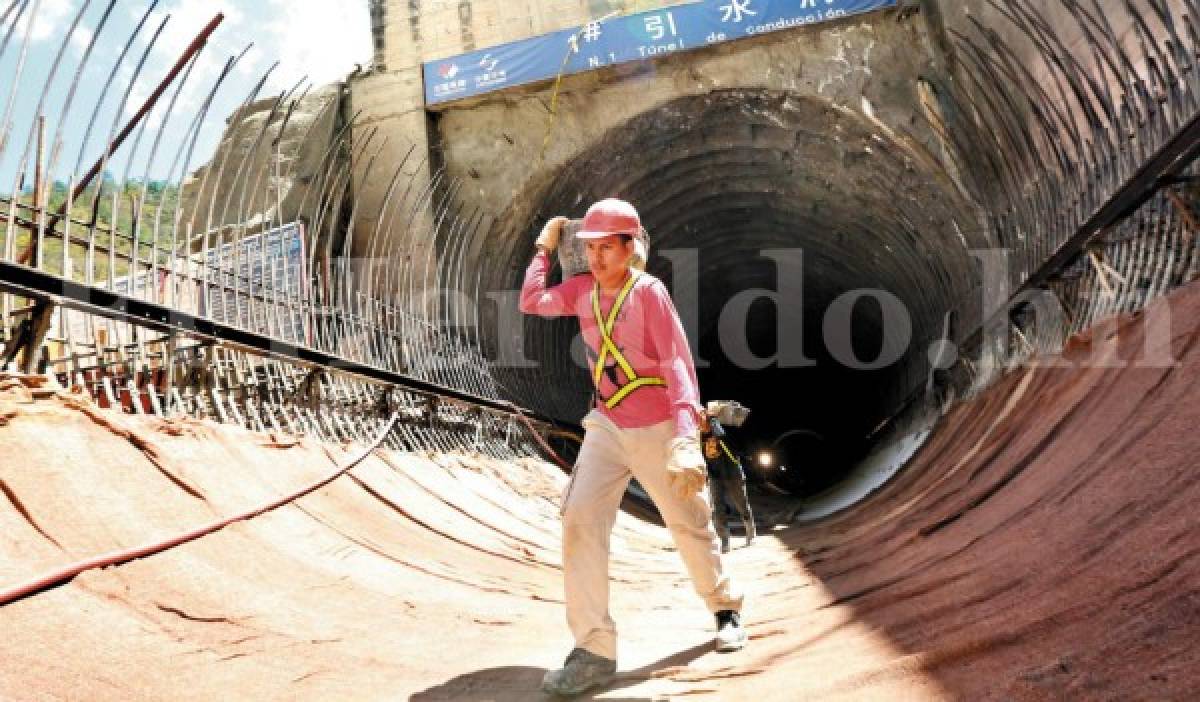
(522, 683)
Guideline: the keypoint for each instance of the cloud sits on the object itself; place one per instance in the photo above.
(81, 37)
(312, 40)
(186, 19)
(52, 15)
(317, 39)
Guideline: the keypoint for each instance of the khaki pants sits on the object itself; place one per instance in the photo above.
(607, 459)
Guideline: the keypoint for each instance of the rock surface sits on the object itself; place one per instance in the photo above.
(271, 156)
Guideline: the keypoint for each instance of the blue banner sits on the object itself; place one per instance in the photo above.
(624, 39)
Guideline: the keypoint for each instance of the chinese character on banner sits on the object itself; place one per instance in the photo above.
(591, 32)
(736, 9)
(655, 28)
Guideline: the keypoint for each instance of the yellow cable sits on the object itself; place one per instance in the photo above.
(572, 43)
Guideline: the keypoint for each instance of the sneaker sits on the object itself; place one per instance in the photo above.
(730, 634)
(582, 671)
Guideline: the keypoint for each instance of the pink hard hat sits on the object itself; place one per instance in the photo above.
(608, 217)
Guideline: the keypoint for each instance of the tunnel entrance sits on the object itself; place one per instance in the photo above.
(808, 426)
(813, 255)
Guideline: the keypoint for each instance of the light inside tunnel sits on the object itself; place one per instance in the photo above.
(811, 260)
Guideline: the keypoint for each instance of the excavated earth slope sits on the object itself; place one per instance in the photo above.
(1043, 544)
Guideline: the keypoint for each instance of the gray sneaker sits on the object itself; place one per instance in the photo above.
(730, 634)
(582, 671)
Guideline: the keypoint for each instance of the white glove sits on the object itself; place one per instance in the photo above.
(551, 232)
(686, 468)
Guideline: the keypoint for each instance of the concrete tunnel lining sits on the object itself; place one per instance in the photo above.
(732, 174)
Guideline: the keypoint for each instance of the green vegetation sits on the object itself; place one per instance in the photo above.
(159, 195)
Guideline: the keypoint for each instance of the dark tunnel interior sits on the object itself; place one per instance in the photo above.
(811, 256)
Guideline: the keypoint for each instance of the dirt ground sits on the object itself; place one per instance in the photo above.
(1042, 545)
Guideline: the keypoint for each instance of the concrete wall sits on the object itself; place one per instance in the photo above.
(433, 29)
(882, 66)
(869, 65)
(389, 99)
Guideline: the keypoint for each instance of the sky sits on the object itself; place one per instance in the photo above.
(316, 41)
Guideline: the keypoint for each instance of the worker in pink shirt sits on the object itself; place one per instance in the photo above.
(644, 425)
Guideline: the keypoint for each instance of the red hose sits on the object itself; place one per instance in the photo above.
(67, 573)
(537, 435)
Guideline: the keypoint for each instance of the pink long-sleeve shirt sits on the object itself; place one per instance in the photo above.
(647, 332)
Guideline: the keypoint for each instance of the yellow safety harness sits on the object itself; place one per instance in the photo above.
(728, 454)
(607, 346)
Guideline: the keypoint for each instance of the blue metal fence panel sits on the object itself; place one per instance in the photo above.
(623, 39)
(261, 290)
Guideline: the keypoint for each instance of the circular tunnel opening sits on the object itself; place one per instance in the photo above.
(812, 254)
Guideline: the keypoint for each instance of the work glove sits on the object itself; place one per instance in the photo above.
(686, 469)
(548, 239)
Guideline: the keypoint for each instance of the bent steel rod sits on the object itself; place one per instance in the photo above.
(1171, 160)
(133, 121)
(27, 282)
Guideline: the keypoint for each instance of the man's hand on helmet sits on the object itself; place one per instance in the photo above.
(551, 232)
(685, 467)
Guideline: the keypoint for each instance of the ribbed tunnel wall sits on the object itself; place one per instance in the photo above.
(750, 190)
(938, 179)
